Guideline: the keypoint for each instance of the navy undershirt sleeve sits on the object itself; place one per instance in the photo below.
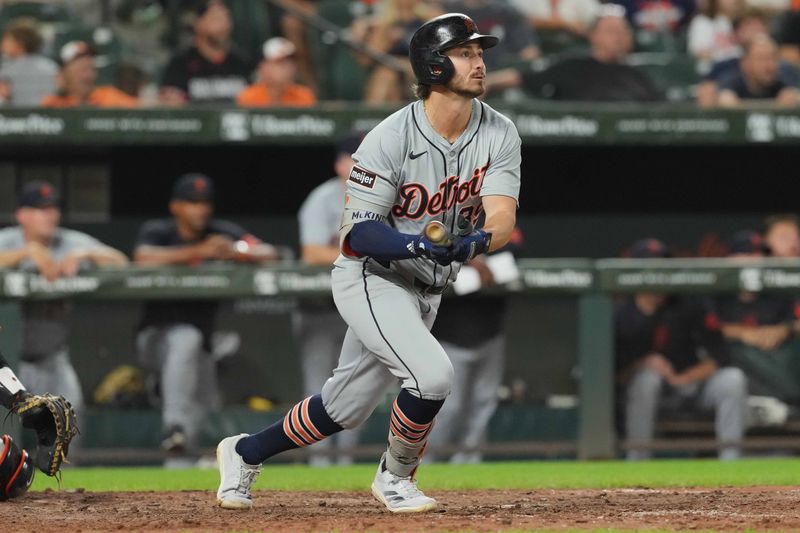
(379, 241)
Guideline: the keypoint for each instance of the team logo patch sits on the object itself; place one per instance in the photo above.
(365, 178)
(471, 26)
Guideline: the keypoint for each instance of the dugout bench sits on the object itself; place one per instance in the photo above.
(593, 282)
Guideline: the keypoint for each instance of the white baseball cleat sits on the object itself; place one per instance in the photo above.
(400, 494)
(236, 476)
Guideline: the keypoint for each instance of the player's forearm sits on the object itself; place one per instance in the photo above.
(107, 256)
(728, 98)
(699, 372)
(501, 226)
(733, 332)
(12, 258)
(258, 253)
(166, 255)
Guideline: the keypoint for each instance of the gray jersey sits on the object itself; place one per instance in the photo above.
(45, 322)
(406, 174)
(321, 214)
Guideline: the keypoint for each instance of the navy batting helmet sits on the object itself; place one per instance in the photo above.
(438, 35)
(16, 469)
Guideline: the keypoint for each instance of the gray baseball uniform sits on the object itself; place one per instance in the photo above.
(405, 175)
(45, 364)
(319, 329)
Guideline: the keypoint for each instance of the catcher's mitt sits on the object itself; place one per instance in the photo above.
(53, 419)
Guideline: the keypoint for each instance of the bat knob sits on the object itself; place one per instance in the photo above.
(436, 232)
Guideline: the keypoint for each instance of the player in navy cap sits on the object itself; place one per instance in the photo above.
(174, 337)
(38, 245)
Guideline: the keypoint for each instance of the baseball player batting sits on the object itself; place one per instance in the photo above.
(442, 158)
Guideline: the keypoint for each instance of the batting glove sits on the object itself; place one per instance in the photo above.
(422, 247)
(468, 246)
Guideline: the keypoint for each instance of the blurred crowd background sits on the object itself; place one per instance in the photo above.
(123, 53)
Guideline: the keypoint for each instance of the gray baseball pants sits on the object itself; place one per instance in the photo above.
(465, 416)
(187, 375)
(320, 335)
(725, 392)
(55, 374)
(388, 340)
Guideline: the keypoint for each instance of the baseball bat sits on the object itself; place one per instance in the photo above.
(437, 233)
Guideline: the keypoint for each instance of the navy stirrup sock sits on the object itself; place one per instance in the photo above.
(412, 417)
(418, 410)
(306, 423)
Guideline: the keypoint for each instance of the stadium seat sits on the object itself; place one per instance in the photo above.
(250, 27)
(44, 12)
(662, 42)
(561, 42)
(340, 76)
(675, 74)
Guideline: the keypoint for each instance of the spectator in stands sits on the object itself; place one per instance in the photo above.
(77, 82)
(295, 29)
(210, 71)
(26, 76)
(670, 352)
(601, 77)
(391, 34)
(749, 24)
(788, 36)
(758, 327)
(39, 245)
(133, 81)
(759, 78)
(174, 338)
(275, 85)
(573, 16)
(782, 235)
(711, 38)
(318, 326)
(518, 40)
(658, 16)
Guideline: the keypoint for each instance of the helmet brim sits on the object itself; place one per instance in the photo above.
(486, 41)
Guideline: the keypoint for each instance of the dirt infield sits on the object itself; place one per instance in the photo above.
(726, 509)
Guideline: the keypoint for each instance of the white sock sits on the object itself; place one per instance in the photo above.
(10, 381)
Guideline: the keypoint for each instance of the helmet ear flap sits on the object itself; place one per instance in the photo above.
(440, 69)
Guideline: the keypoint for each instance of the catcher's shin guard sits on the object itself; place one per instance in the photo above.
(16, 469)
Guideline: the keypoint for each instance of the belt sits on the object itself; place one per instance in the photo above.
(428, 289)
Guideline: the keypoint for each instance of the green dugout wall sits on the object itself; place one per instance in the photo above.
(592, 282)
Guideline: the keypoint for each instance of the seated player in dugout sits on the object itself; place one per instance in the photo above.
(174, 338)
(758, 327)
(38, 244)
(670, 353)
(445, 158)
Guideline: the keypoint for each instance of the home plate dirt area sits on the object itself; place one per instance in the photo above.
(718, 509)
